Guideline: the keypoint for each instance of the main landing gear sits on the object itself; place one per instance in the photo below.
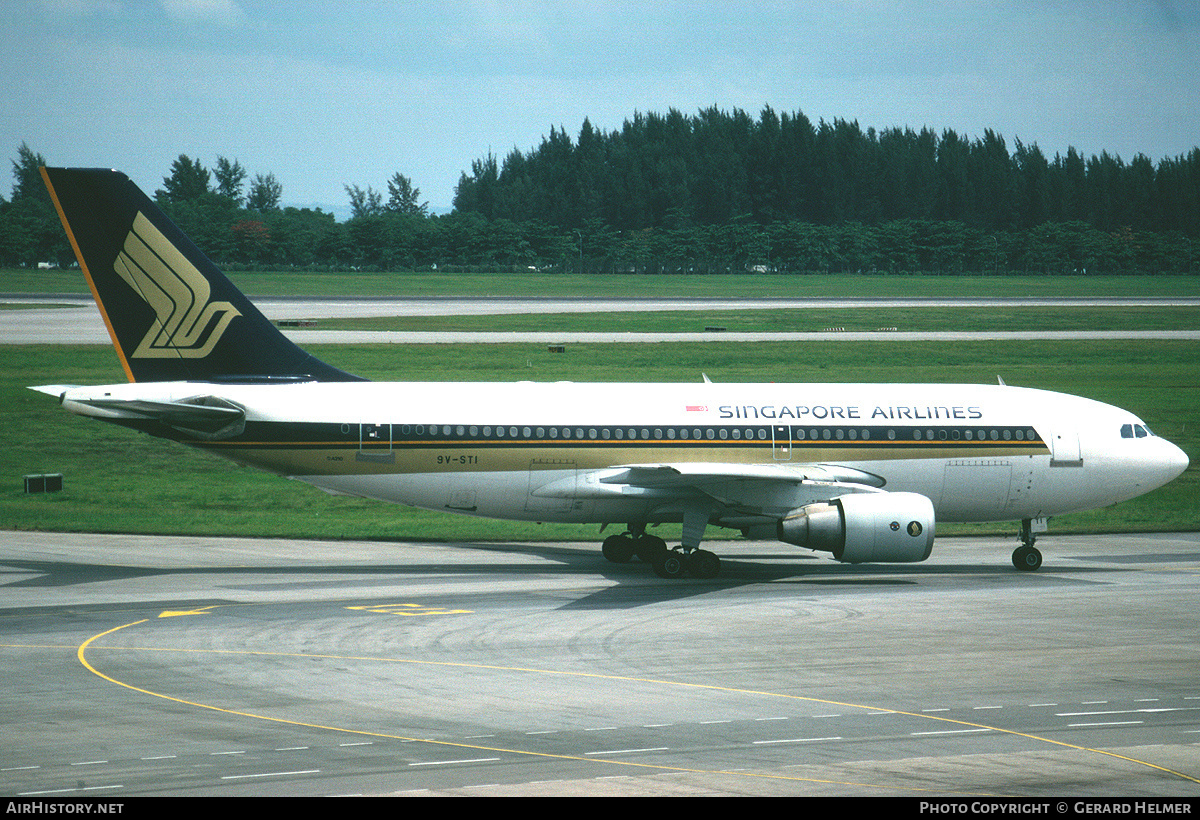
(667, 563)
(1027, 557)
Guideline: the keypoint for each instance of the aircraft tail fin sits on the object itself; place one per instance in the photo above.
(172, 315)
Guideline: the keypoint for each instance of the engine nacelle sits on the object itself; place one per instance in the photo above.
(864, 527)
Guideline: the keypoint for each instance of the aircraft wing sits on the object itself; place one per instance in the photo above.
(693, 474)
(750, 497)
(758, 487)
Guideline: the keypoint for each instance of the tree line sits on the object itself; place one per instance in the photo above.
(715, 168)
(712, 193)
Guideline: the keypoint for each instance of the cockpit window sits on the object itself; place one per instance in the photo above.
(1126, 431)
(1135, 431)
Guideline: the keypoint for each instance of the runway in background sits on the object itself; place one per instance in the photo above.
(79, 321)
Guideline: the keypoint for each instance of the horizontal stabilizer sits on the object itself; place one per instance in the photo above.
(55, 390)
(208, 417)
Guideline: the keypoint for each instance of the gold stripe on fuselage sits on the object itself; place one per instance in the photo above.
(321, 458)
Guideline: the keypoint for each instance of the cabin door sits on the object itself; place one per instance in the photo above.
(375, 443)
(1064, 448)
(781, 442)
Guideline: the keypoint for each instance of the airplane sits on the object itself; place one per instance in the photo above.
(861, 471)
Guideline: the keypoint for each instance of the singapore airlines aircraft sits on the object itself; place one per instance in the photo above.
(861, 471)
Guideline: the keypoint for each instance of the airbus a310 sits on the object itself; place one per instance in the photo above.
(861, 471)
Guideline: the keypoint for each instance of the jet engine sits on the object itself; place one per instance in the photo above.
(864, 527)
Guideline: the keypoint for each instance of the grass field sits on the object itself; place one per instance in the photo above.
(273, 283)
(803, 320)
(120, 481)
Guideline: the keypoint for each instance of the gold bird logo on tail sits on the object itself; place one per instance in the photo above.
(188, 325)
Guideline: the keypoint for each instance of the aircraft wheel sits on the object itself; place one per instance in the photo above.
(670, 564)
(1027, 559)
(649, 548)
(704, 564)
(618, 549)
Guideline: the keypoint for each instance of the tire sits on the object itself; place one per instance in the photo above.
(670, 564)
(649, 548)
(618, 549)
(1027, 559)
(704, 564)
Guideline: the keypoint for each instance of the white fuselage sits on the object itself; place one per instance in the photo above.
(555, 451)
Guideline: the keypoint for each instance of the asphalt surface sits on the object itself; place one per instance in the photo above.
(75, 319)
(216, 666)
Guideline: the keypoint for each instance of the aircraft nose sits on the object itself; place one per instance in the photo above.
(1164, 463)
(1175, 461)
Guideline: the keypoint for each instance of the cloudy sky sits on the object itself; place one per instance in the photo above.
(325, 94)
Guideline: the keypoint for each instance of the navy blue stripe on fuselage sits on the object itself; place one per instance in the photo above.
(301, 435)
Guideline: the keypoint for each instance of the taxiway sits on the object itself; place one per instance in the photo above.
(140, 665)
(50, 319)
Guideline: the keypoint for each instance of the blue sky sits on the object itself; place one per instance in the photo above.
(328, 94)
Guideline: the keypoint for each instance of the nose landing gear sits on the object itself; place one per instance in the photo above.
(1027, 557)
